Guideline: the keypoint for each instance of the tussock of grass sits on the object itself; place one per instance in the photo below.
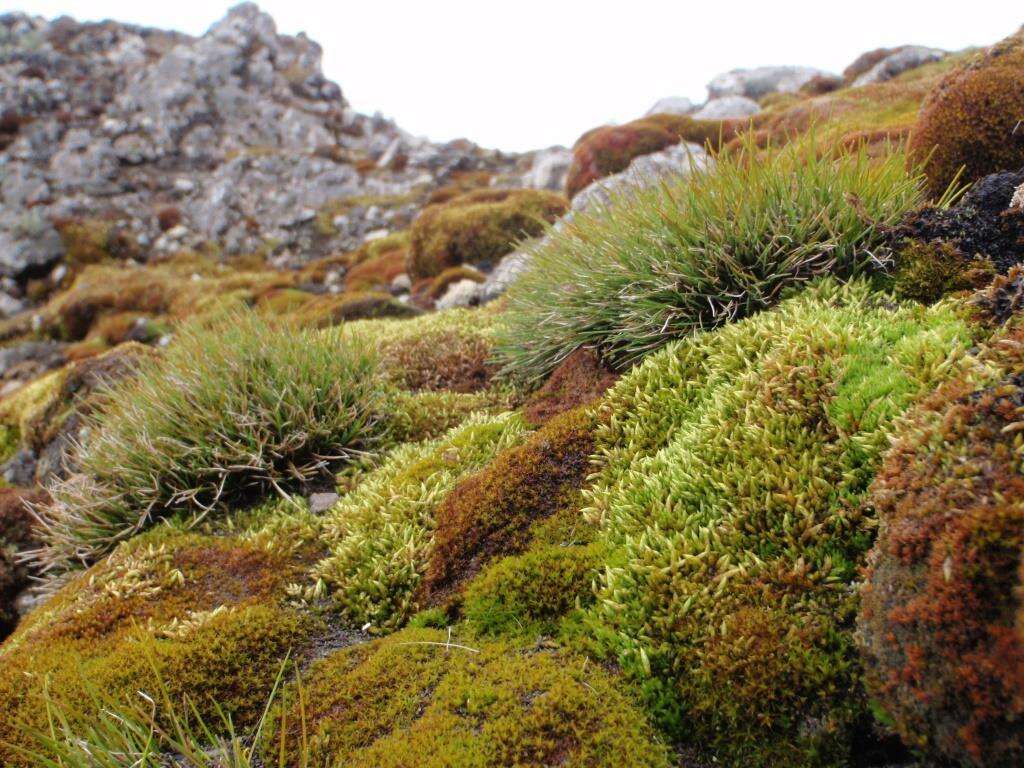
(233, 409)
(695, 254)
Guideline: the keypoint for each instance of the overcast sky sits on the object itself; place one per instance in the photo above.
(532, 73)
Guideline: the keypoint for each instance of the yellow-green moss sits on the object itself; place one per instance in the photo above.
(478, 227)
(410, 701)
(927, 271)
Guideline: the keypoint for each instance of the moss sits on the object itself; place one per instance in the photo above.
(928, 271)
(727, 488)
(610, 149)
(528, 594)
(491, 512)
(447, 350)
(17, 533)
(970, 120)
(940, 622)
(328, 310)
(376, 272)
(1002, 299)
(416, 416)
(207, 611)
(24, 408)
(409, 701)
(380, 533)
(92, 241)
(437, 287)
(478, 227)
(581, 378)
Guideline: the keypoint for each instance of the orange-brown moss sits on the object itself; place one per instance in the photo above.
(478, 227)
(491, 512)
(17, 532)
(580, 379)
(609, 149)
(377, 272)
(941, 607)
(971, 119)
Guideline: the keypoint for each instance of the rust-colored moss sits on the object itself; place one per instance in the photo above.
(17, 532)
(940, 617)
(492, 511)
(478, 227)
(377, 272)
(580, 379)
(971, 120)
(610, 149)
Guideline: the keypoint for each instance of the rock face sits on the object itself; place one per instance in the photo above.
(727, 108)
(900, 60)
(238, 131)
(760, 81)
(672, 105)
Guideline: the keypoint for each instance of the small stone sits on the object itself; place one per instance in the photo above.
(322, 501)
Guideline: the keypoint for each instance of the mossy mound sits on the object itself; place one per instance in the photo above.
(478, 227)
(580, 379)
(447, 350)
(491, 512)
(970, 120)
(380, 533)
(206, 612)
(413, 700)
(731, 470)
(610, 149)
(941, 620)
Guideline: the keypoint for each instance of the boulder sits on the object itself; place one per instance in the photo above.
(672, 105)
(728, 108)
(899, 61)
(760, 81)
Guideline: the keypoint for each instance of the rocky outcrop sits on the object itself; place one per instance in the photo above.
(760, 81)
(238, 131)
(727, 108)
(896, 62)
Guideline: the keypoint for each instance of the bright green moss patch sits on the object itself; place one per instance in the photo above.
(380, 533)
(409, 700)
(478, 227)
(732, 467)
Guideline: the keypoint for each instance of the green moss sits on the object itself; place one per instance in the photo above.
(92, 241)
(380, 533)
(327, 310)
(206, 612)
(730, 474)
(478, 227)
(970, 120)
(408, 700)
(413, 417)
(928, 271)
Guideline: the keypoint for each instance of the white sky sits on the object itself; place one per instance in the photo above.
(531, 73)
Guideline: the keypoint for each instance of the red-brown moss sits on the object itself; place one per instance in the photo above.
(971, 119)
(17, 532)
(580, 379)
(1001, 299)
(478, 227)
(377, 272)
(492, 511)
(941, 607)
(610, 149)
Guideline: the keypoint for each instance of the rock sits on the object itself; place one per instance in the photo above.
(758, 82)
(549, 169)
(464, 293)
(20, 469)
(30, 359)
(899, 61)
(644, 171)
(1017, 201)
(321, 502)
(401, 284)
(503, 275)
(728, 108)
(672, 105)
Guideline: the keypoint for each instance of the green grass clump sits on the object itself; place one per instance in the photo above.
(732, 465)
(231, 410)
(380, 533)
(717, 246)
(422, 698)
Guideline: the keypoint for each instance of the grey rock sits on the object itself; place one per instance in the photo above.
(728, 108)
(760, 81)
(503, 275)
(672, 105)
(549, 169)
(902, 60)
(464, 293)
(20, 469)
(401, 284)
(42, 356)
(321, 502)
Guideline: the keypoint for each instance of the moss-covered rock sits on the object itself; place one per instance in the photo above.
(206, 612)
(416, 700)
(971, 119)
(941, 618)
(609, 149)
(478, 227)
